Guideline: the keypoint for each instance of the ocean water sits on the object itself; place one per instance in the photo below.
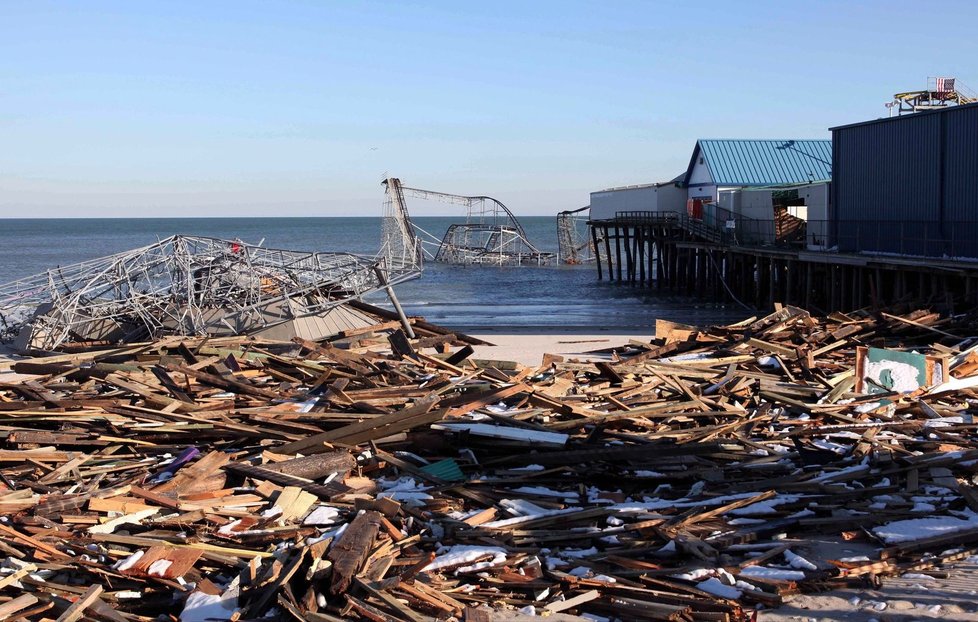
(469, 298)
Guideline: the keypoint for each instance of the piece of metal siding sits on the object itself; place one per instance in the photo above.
(961, 165)
(961, 181)
(888, 173)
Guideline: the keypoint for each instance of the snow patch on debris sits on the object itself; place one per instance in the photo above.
(717, 588)
(922, 528)
(462, 554)
(773, 574)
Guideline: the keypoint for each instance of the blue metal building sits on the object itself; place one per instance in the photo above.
(908, 184)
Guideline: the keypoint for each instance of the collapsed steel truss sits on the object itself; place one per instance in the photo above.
(185, 285)
(490, 235)
(574, 246)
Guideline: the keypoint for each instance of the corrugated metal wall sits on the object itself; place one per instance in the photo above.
(961, 164)
(909, 184)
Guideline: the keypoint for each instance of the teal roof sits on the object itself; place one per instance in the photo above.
(764, 162)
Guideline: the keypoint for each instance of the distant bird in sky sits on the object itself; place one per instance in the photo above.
(373, 148)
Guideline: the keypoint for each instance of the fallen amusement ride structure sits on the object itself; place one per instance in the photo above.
(189, 285)
(490, 234)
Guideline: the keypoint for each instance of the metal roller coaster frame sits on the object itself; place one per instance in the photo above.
(490, 235)
(574, 246)
(187, 285)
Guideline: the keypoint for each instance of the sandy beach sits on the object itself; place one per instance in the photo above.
(528, 347)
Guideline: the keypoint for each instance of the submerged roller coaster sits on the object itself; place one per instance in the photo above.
(191, 285)
(490, 234)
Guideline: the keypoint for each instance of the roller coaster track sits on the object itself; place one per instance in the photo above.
(490, 235)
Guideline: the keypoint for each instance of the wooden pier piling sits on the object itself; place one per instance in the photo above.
(656, 252)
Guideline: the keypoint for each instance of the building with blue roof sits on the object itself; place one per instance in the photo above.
(724, 164)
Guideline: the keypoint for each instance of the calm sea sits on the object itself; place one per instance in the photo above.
(462, 297)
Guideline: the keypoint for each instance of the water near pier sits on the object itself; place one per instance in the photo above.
(462, 297)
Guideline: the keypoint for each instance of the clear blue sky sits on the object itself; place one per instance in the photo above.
(298, 108)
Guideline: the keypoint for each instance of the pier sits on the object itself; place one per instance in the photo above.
(760, 263)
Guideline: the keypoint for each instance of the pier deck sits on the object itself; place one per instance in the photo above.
(670, 252)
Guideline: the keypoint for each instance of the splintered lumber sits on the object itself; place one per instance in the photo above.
(351, 550)
(316, 466)
(375, 477)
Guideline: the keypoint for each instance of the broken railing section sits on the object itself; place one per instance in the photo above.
(193, 286)
(372, 476)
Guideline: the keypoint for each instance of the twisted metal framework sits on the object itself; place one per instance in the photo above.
(490, 235)
(574, 246)
(400, 246)
(185, 285)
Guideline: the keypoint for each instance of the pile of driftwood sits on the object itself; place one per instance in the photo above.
(693, 477)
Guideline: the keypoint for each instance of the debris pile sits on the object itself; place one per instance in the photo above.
(376, 477)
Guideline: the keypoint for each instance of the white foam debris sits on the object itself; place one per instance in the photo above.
(774, 574)
(202, 607)
(159, 567)
(462, 554)
(530, 467)
(322, 515)
(125, 564)
(904, 377)
(921, 528)
(717, 588)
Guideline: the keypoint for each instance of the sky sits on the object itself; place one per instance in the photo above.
(128, 109)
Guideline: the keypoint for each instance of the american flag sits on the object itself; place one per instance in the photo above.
(945, 85)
